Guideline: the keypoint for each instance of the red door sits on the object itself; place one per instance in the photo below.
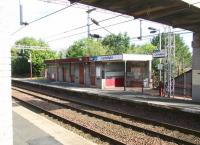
(81, 74)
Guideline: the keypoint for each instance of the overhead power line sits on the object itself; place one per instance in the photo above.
(64, 37)
(91, 24)
(81, 6)
(19, 29)
(54, 35)
(150, 36)
(97, 23)
(38, 19)
(146, 36)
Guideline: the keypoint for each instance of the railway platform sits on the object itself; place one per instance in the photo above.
(30, 128)
(184, 105)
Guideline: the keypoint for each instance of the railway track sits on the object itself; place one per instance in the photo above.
(165, 132)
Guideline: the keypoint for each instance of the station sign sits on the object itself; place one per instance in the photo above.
(106, 58)
(160, 66)
(159, 54)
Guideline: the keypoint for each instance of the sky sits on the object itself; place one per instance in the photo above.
(58, 29)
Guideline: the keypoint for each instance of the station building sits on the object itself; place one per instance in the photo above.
(124, 70)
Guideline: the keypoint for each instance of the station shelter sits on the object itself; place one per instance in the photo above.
(110, 71)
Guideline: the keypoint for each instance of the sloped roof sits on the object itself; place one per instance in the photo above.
(176, 13)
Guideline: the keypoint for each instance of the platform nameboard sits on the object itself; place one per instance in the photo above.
(159, 54)
(105, 58)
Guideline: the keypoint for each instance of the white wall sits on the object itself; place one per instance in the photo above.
(7, 26)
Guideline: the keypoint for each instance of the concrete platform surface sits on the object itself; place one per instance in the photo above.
(32, 129)
(183, 104)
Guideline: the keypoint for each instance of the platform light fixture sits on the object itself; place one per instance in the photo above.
(95, 36)
(153, 31)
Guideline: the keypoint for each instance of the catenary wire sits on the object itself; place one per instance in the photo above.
(146, 20)
(146, 36)
(57, 12)
(38, 19)
(90, 30)
(54, 35)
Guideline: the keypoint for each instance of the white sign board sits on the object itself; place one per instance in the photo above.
(160, 66)
(98, 71)
(159, 54)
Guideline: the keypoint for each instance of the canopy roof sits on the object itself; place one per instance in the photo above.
(176, 13)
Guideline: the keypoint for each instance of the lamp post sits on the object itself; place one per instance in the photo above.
(154, 30)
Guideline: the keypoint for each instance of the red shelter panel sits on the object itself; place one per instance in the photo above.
(72, 72)
(64, 74)
(92, 74)
(81, 73)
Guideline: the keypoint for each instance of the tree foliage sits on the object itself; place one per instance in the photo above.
(183, 57)
(86, 47)
(111, 44)
(20, 64)
(142, 49)
(117, 44)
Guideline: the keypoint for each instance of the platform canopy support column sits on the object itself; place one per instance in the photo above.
(196, 67)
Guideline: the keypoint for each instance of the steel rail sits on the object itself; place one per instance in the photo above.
(127, 125)
(88, 130)
(142, 119)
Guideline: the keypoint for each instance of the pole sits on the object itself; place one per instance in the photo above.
(88, 19)
(160, 40)
(174, 62)
(21, 13)
(170, 61)
(184, 86)
(140, 29)
(88, 22)
(125, 75)
(30, 65)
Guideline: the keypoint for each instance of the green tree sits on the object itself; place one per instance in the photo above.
(183, 57)
(20, 64)
(142, 49)
(117, 44)
(86, 47)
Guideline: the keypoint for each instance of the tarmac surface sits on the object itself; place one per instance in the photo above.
(30, 128)
(181, 104)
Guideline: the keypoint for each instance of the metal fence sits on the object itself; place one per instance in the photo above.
(183, 84)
